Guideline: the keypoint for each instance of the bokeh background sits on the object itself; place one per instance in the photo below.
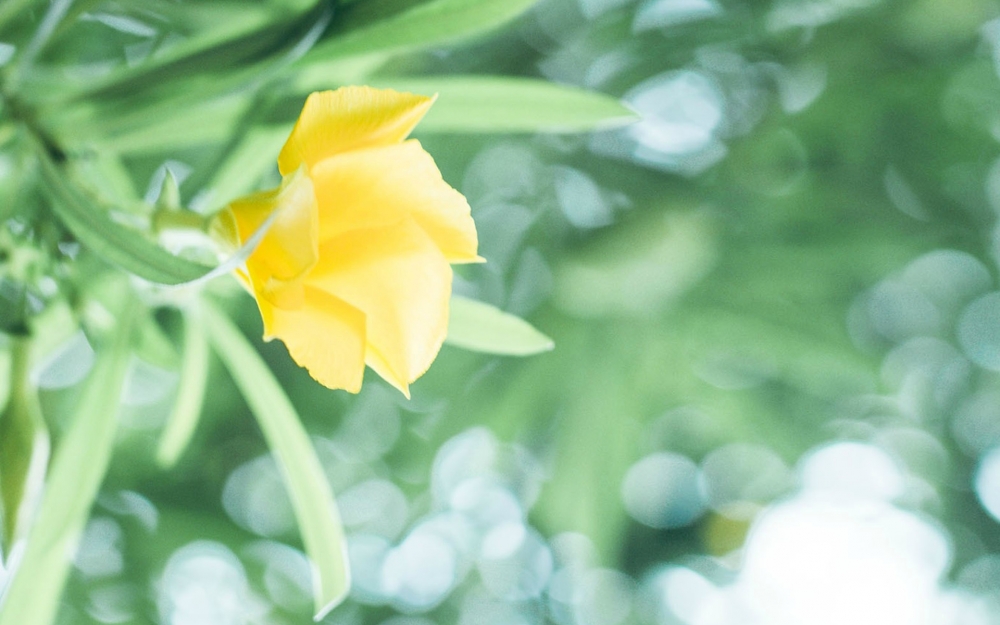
(774, 397)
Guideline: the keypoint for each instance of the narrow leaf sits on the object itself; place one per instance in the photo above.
(483, 328)
(24, 449)
(78, 468)
(222, 36)
(190, 395)
(428, 23)
(114, 242)
(11, 9)
(247, 163)
(173, 124)
(500, 104)
(312, 498)
(54, 15)
(152, 345)
(127, 248)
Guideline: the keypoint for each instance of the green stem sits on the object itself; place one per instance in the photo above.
(173, 219)
(20, 364)
(24, 448)
(32, 595)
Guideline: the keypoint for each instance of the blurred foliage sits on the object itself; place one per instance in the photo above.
(795, 244)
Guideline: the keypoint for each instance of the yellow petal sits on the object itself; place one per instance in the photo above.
(381, 186)
(350, 118)
(326, 336)
(291, 246)
(399, 279)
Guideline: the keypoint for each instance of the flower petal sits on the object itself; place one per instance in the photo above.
(326, 336)
(402, 283)
(350, 118)
(381, 186)
(291, 246)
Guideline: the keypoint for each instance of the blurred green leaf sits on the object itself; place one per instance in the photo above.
(55, 13)
(367, 27)
(152, 127)
(190, 96)
(638, 267)
(312, 498)
(483, 328)
(153, 345)
(11, 9)
(501, 104)
(78, 468)
(110, 178)
(115, 243)
(24, 449)
(596, 443)
(220, 36)
(169, 198)
(245, 165)
(351, 70)
(190, 395)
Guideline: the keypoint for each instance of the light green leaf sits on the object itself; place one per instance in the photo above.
(483, 328)
(499, 104)
(312, 499)
(256, 153)
(219, 36)
(24, 449)
(152, 344)
(428, 23)
(54, 15)
(77, 470)
(110, 178)
(115, 243)
(141, 110)
(190, 395)
(11, 9)
(174, 124)
(349, 70)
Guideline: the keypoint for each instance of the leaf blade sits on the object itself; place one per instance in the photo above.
(115, 243)
(190, 395)
(78, 468)
(427, 23)
(24, 449)
(480, 327)
(312, 498)
(473, 104)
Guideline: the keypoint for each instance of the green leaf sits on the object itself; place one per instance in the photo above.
(78, 468)
(220, 38)
(173, 124)
(350, 70)
(12, 9)
(142, 110)
(116, 243)
(246, 164)
(152, 344)
(312, 498)
(499, 104)
(24, 449)
(483, 328)
(190, 395)
(425, 24)
(54, 15)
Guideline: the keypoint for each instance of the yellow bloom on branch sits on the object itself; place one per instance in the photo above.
(354, 268)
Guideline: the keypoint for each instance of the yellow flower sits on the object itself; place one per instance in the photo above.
(354, 268)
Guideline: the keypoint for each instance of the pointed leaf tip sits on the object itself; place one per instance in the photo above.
(479, 327)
